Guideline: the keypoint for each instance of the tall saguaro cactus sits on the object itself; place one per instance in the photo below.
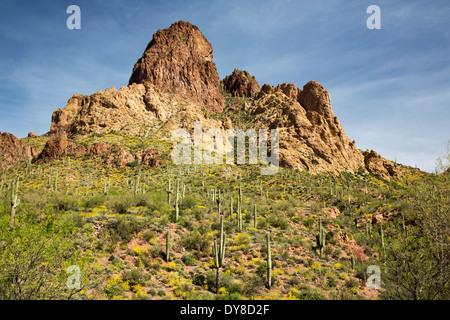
(218, 251)
(269, 262)
(383, 248)
(239, 215)
(14, 200)
(255, 217)
(231, 207)
(218, 201)
(167, 245)
(321, 237)
(169, 193)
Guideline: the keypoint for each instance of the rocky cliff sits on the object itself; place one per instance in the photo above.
(179, 59)
(311, 137)
(241, 84)
(12, 150)
(175, 83)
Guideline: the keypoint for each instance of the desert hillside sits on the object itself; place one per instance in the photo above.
(99, 193)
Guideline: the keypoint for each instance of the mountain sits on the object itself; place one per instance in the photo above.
(179, 59)
(175, 83)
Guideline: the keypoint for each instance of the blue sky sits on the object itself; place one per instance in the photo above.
(390, 88)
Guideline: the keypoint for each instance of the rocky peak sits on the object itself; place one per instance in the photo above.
(179, 59)
(311, 137)
(314, 97)
(12, 150)
(289, 89)
(241, 84)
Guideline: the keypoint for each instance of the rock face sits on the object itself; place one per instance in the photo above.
(241, 84)
(179, 59)
(377, 165)
(12, 150)
(311, 137)
(289, 89)
(175, 81)
(127, 110)
(58, 147)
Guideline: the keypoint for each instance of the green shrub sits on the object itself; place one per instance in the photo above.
(125, 227)
(308, 222)
(161, 293)
(93, 201)
(134, 277)
(351, 283)
(63, 202)
(188, 203)
(198, 238)
(147, 235)
(277, 220)
(121, 203)
(308, 293)
(252, 286)
(189, 260)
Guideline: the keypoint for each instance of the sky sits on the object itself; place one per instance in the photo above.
(389, 87)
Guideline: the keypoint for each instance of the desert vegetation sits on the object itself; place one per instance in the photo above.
(218, 231)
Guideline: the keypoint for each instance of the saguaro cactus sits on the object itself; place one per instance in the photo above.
(383, 248)
(177, 208)
(219, 201)
(14, 199)
(321, 238)
(255, 217)
(137, 181)
(167, 245)
(269, 263)
(169, 193)
(239, 215)
(231, 207)
(218, 251)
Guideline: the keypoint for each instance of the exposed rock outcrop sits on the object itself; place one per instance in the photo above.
(58, 147)
(175, 81)
(241, 84)
(311, 137)
(179, 59)
(378, 165)
(289, 89)
(13, 151)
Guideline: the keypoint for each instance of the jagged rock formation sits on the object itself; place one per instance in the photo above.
(132, 110)
(311, 137)
(12, 150)
(175, 81)
(241, 84)
(127, 110)
(289, 89)
(377, 165)
(174, 78)
(58, 147)
(179, 59)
